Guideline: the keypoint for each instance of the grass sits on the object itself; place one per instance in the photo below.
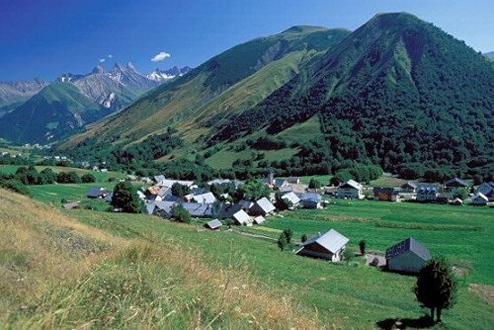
(100, 177)
(59, 273)
(345, 296)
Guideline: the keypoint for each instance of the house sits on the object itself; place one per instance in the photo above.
(214, 224)
(158, 179)
(109, 197)
(386, 194)
(487, 189)
(269, 180)
(279, 183)
(161, 209)
(408, 256)
(198, 210)
(207, 198)
(480, 199)
(427, 192)
(242, 218)
(455, 183)
(409, 187)
(310, 200)
(293, 180)
(350, 190)
(96, 192)
(292, 198)
(227, 211)
(259, 220)
(329, 246)
(262, 207)
(457, 201)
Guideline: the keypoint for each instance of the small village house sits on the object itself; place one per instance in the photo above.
(214, 224)
(409, 187)
(487, 189)
(259, 220)
(479, 199)
(457, 201)
(329, 246)
(292, 198)
(206, 198)
(198, 210)
(96, 192)
(350, 190)
(242, 218)
(262, 207)
(386, 194)
(454, 184)
(161, 209)
(293, 180)
(311, 200)
(427, 192)
(408, 256)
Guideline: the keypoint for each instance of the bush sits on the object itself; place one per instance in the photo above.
(314, 184)
(180, 190)
(47, 176)
(125, 197)
(282, 242)
(362, 246)
(180, 214)
(88, 178)
(282, 204)
(303, 239)
(254, 190)
(14, 185)
(288, 233)
(70, 177)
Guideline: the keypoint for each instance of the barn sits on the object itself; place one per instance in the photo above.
(408, 256)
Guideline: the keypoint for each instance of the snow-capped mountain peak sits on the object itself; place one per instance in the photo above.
(159, 75)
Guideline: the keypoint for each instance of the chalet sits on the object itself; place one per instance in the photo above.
(455, 183)
(242, 218)
(227, 211)
(262, 207)
(386, 194)
(427, 192)
(310, 200)
(409, 187)
(206, 198)
(408, 256)
(259, 220)
(214, 224)
(480, 199)
(457, 201)
(292, 198)
(198, 210)
(329, 246)
(487, 189)
(350, 190)
(293, 180)
(160, 208)
(96, 193)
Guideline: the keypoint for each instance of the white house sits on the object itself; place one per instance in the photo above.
(206, 198)
(242, 218)
(350, 190)
(329, 246)
(292, 198)
(262, 207)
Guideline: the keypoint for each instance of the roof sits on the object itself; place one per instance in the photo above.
(241, 216)
(409, 184)
(165, 206)
(198, 209)
(280, 183)
(385, 190)
(95, 192)
(427, 188)
(159, 178)
(455, 182)
(310, 197)
(265, 205)
(109, 197)
(219, 181)
(293, 179)
(486, 188)
(352, 184)
(260, 219)
(410, 244)
(213, 224)
(481, 196)
(332, 241)
(292, 197)
(207, 198)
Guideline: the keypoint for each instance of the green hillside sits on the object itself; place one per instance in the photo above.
(398, 92)
(56, 111)
(228, 83)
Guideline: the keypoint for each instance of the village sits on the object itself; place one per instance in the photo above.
(221, 203)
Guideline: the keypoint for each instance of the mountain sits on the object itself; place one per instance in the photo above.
(231, 82)
(398, 92)
(56, 111)
(159, 75)
(489, 55)
(14, 93)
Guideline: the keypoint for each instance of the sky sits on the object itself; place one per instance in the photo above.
(45, 38)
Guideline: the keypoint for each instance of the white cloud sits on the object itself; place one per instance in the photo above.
(101, 60)
(161, 56)
(110, 56)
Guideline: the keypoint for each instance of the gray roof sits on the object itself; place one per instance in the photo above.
(159, 178)
(150, 208)
(206, 198)
(242, 217)
(427, 188)
(410, 244)
(213, 224)
(332, 241)
(455, 182)
(109, 197)
(292, 197)
(95, 192)
(409, 184)
(265, 205)
(198, 209)
(280, 183)
(310, 197)
(352, 184)
(165, 206)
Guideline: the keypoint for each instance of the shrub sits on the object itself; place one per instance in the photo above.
(125, 197)
(180, 214)
(282, 242)
(180, 190)
(88, 178)
(70, 177)
(288, 233)
(303, 238)
(314, 184)
(362, 246)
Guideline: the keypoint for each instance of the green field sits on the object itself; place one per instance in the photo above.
(351, 295)
(100, 177)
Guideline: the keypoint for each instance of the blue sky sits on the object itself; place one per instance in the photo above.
(44, 38)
